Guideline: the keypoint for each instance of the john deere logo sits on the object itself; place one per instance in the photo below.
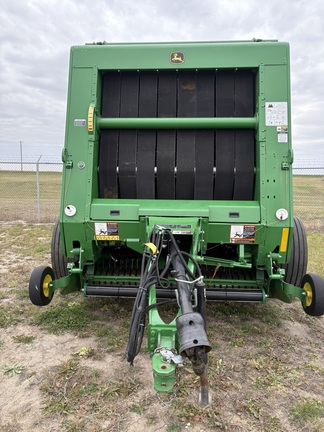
(177, 57)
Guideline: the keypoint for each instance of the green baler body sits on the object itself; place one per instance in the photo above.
(177, 188)
(195, 136)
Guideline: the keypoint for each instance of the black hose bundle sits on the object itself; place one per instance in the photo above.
(151, 275)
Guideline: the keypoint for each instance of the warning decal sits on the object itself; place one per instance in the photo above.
(242, 234)
(282, 132)
(276, 113)
(106, 231)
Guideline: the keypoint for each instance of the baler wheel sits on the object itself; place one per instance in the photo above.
(39, 293)
(297, 265)
(59, 261)
(313, 285)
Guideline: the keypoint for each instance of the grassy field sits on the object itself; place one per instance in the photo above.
(18, 197)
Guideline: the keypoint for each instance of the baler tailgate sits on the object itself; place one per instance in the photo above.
(174, 167)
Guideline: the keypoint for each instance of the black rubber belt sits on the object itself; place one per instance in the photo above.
(165, 180)
(205, 139)
(244, 93)
(185, 164)
(224, 93)
(108, 184)
(224, 177)
(146, 139)
(166, 139)
(225, 139)
(244, 140)
(244, 165)
(205, 143)
(108, 148)
(145, 178)
(128, 138)
(186, 138)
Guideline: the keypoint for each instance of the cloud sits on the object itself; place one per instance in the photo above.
(36, 37)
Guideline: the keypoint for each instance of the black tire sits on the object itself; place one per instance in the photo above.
(59, 261)
(297, 266)
(38, 285)
(313, 284)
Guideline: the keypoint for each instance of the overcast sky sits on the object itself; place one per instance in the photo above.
(36, 35)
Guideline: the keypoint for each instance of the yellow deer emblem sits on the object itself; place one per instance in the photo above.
(177, 57)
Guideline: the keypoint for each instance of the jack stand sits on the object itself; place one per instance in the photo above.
(204, 396)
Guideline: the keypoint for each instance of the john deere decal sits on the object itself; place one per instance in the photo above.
(177, 57)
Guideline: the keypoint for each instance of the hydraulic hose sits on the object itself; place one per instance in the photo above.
(151, 275)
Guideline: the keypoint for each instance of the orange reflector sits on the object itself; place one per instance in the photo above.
(90, 118)
(284, 240)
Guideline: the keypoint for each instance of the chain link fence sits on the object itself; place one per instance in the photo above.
(31, 191)
(308, 183)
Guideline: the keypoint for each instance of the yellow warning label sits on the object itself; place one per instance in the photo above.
(106, 231)
(106, 237)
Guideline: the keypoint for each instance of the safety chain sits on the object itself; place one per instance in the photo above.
(175, 390)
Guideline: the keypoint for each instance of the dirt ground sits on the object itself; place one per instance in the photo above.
(21, 399)
(266, 367)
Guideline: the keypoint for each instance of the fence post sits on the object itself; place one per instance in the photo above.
(38, 190)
